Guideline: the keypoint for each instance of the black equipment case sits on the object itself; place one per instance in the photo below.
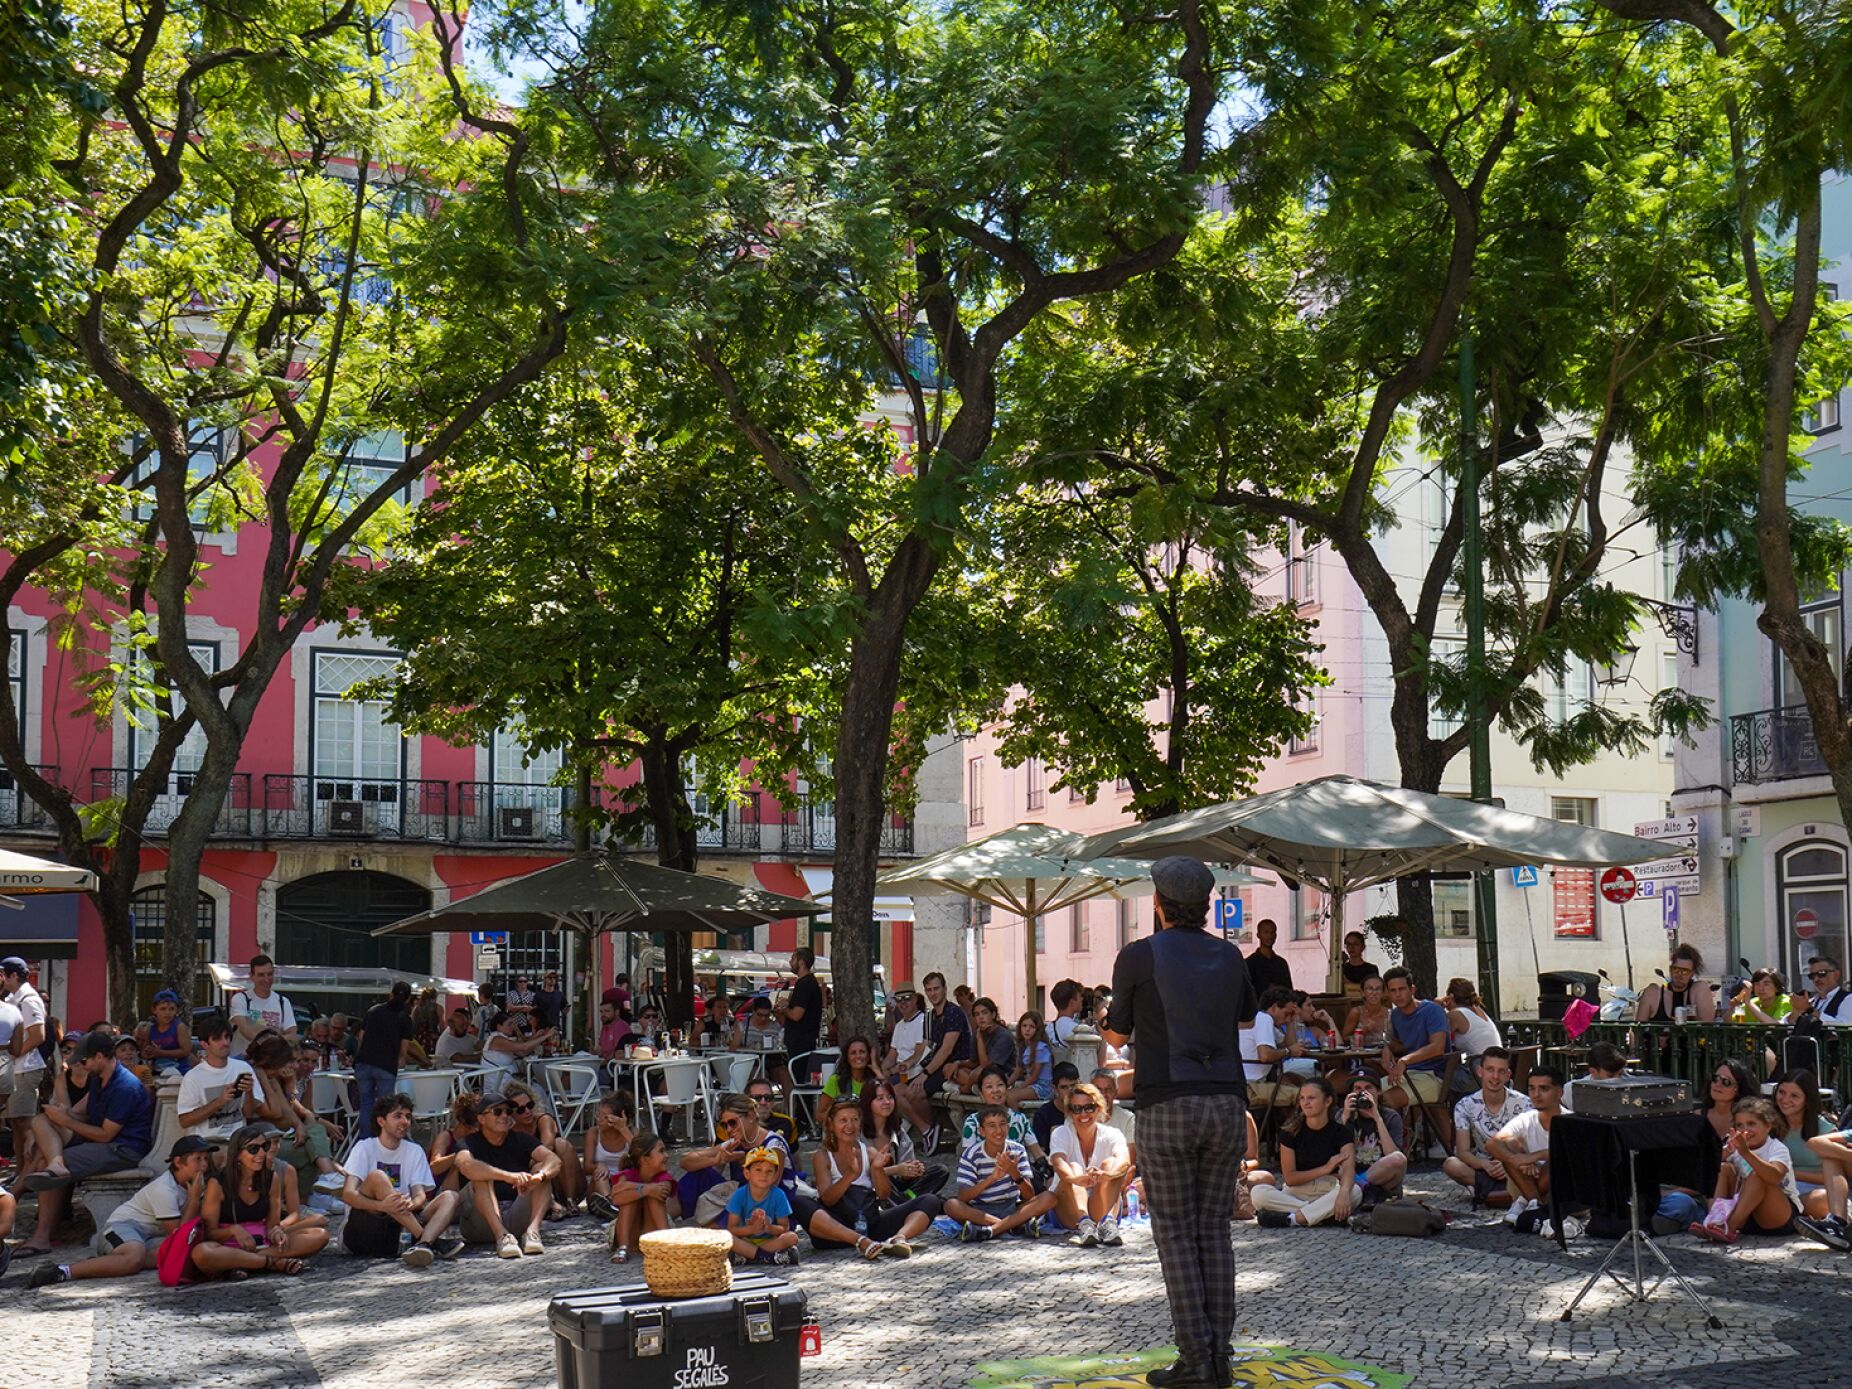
(628, 1338)
(1632, 1097)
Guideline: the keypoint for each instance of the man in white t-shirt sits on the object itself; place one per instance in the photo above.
(1263, 1047)
(456, 1043)
(28, 1036)
(220, 1094)
(907, 1049)
(1477, 1119)
(1523, 1147)
(388, 1191)
(260, 1006)
(131, 1238)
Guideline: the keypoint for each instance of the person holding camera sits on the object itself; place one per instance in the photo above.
(1376, 1131)
(222, 1093)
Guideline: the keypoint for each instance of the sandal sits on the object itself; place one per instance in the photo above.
(620, 1255)
(288, 1267)
(234, 1275)
(898, 1247)
(1718, 1234)
(867, 1248)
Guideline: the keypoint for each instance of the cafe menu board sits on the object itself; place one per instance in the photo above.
(1573, 902)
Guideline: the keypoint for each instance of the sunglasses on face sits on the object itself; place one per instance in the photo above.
(761, 1099)
(268, 1145)
(1724, 1080)
(1821, 973)
(1083, 1109)
(522, 1108)
(500, 1109)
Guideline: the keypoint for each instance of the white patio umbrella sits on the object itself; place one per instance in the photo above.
(22, 875)
(1029, 869)
(1342, 833)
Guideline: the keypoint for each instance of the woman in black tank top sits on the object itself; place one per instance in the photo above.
(1657, 1001)
(252, 1215)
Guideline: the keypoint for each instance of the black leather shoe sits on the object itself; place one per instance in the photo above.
(1183, 1376)
(1221, 1374)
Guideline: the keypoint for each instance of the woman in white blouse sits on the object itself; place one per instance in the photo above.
(1091, 1162)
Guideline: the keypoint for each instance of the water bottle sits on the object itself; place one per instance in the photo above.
(1131, 1204)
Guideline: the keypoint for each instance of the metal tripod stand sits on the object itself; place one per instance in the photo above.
(1640, 1242)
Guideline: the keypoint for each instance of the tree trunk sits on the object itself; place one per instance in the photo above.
(1421, 766)
(186, 846)
(667, 798)
(862, 741)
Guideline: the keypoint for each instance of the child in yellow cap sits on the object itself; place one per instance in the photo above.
(759, 1213)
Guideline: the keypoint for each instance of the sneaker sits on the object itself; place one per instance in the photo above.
(330, 1181)
(418, 1256)
(601, 1208)
(1371, 1197)
(1031, 1229)
(1273, 1220)
(447, 1246)
(1531, 1220)
(785, 1258)
(1109, 1233)
(1517, 1209)
(507, 1247)
(980, 1233)
(46, 1274)
(532, 1244)
(1085, 1236)
(929, 1141)
(1831, 1231)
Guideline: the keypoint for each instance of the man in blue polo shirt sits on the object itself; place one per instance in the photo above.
(1416, 1060)
(112, 1134)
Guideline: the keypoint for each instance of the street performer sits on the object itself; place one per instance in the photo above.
(1185, 993)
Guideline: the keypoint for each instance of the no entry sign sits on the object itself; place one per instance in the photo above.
(1806, 924)
(1619, 885)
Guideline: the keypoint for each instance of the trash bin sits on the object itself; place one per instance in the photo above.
(1558, 988)
(628, 1338)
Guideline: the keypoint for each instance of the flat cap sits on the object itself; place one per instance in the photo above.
(1182, 879)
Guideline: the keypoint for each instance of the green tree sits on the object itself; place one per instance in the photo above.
(1775, 74)
(286, 255)
(603, 572)
(1490, 165)
(895, 194)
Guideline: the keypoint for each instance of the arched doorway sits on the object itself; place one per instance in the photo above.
(329, 919)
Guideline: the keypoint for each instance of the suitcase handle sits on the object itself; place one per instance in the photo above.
(648, 1332)
(756, 1322)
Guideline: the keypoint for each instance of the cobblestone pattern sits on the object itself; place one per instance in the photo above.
(1477, 1307)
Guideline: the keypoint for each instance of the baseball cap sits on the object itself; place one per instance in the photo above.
(187, 1146)
(490, 1098)
(96, 1044)
(1182, 879)
(758, 1155)
(12, 964)
(167, 996)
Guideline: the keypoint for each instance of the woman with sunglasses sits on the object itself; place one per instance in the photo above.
(1091, 1162)
(1660, 1002)
(1679, 1207)
(530, 1119)
(253, 1214)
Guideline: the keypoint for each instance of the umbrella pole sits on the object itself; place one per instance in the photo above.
(1334, 976)
(1028, 951)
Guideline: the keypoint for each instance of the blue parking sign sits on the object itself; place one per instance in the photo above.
(1228, 916)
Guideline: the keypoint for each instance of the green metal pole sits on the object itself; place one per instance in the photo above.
(1485, 886)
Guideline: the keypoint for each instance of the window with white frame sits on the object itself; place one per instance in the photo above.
(362, 467)
(1825, 618)
(1449, 650)
(1668, 679)
(1307, 911)
(1823, 418)
(207, 446)
(1308, 741)
(16, 677)
(1037, 792)
(355, 739)
(511, 764)
(1124, 922)
(1668, 570)
(1078, 935)
(1301, 565)
(1573, 810)
(974, 798)
(1041, 934)
(144, 725)
(1453, 908)
(1569, 694)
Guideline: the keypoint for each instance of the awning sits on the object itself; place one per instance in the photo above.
(822, 884)
(44, 927)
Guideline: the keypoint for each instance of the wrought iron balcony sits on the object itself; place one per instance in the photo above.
(1773, 745)
(317, 807)
(729, 833)
(493, 813)
(812, 830)
(235, 819)
(18, 811)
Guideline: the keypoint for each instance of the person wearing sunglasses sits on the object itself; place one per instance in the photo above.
(253, 1213)
(1092, 1163)
(1660, 1002)
(1729, 1082)
(1830, 1001)
(530, 1119)
(510, 1178)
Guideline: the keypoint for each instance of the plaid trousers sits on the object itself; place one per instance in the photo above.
(1189, 1153)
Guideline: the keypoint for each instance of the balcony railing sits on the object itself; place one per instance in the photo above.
(730, 833)
(811, 830)
(235, 819)
(18, 811)
(493, 813)
(316, 807)
(1773, 745)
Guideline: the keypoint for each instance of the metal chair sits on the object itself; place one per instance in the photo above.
(734, 1071)
(431, 1096)
(477, 1078)
(684, 1087)
(573, 1092)
(804, 1097)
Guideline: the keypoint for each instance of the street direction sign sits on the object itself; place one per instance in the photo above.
(1677, 827)
(1684, 867)
(1679, 835)
(1618, 884)
(1658, 887)
(1524, 875)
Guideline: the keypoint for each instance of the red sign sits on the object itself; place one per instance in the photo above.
(1806, 924)
(1574, 892)
(1619, 884)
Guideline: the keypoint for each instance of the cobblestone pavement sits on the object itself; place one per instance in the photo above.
(1476, 1307)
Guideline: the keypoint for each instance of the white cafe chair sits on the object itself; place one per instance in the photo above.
(684, 1087)
(572, 1092)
